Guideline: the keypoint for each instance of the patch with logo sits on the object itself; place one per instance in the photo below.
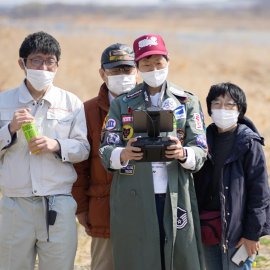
(110, 124)
(127, 132)
(169, 104)
(180, 112)
(198, 121)
(149, 41)
(182, 218)
(180, 135)
(112, 138)
(119, 55)
(127, 119)
(201, 141)
(128, 170)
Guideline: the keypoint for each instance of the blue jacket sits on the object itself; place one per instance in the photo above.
(244, 189)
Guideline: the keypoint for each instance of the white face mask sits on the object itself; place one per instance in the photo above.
(120, 84)
(224, 118)
(155, 78)
(40, 79)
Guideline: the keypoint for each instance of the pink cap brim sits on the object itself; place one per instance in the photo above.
(148, 53)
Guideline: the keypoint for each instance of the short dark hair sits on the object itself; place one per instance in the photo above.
(40, 42)
(149, 56)
(233, 90)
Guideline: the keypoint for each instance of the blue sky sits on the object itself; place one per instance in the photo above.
(125, 2)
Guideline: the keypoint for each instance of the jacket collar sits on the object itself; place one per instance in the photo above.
(51, 95)
(139, 97)
(243, 136)
(103, 98)
(25, 96)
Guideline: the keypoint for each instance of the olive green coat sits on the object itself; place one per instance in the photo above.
(134, 223)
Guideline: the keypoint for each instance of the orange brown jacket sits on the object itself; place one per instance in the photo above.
(92, 188)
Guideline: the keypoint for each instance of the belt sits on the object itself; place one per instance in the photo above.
(160, 195)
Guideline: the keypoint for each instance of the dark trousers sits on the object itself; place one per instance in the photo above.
(160, 202)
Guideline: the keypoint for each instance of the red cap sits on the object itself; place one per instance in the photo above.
(148, 45)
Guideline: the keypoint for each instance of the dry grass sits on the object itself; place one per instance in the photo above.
(204, 49)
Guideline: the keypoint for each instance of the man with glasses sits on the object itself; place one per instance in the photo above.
(92, 189)
(37, 210)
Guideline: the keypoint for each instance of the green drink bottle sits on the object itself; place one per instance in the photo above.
(29, 130)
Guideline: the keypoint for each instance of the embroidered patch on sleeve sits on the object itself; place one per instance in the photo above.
(180, 112)
(127, 132)
(169, 104)
(127, 119)
(128, 170)
(113, 138)
(201, 141)
(110, 124)
(182, 219)
(180, 135)
(198, 121)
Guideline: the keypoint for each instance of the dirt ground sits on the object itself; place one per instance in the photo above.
(205, 48)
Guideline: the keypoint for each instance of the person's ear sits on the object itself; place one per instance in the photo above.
(21, 63)
(103, 75)
(168, 60)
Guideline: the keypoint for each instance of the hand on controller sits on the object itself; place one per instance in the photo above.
(130, 152)
(175, 151)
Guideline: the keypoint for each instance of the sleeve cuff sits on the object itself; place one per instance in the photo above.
(62, 153)
(58, 153)
(190, 162)
(7, 139)
(115, 162)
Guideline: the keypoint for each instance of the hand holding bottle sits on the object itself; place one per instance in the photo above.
(20, 117)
